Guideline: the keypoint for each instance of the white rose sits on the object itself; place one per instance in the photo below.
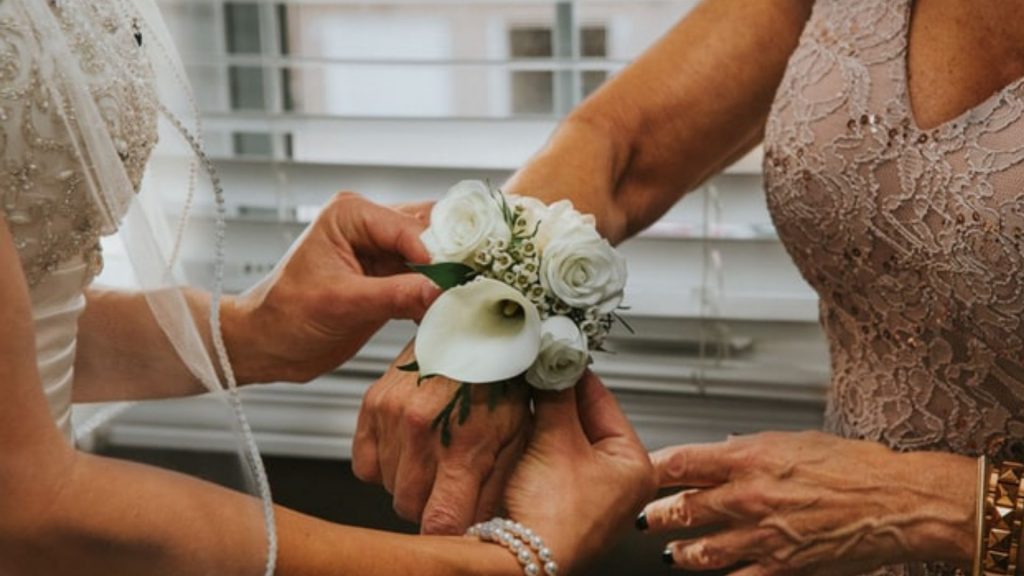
(563, 355)
(583, 270)
(554, 219)
(462, 222)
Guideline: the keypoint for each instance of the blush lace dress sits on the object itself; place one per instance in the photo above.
(43, 195)
(913, 239)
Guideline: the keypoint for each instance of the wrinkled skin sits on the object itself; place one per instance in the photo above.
(448, 488)
(813, 504)
(339, 284)
(583, 455)
(445, 489)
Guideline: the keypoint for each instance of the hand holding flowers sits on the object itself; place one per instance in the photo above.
(531, 289)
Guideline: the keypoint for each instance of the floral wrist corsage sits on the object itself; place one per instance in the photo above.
(529, 291)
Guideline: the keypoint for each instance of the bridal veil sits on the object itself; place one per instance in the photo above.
(60, 37)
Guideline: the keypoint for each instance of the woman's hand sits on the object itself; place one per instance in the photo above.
(584, 473)
(443, 488)
(337, 286)
(810, 503)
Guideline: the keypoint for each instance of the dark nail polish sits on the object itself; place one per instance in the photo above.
(667, 557)
(641, 521)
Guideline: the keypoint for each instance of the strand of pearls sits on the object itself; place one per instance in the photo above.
(251, 454)
(523, 543)
(152, 44)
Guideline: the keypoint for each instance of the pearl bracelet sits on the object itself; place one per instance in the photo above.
(519, 540)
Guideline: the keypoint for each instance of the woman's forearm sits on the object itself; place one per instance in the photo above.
(693, 103)
(123, 354)
(111, 517)
(814, 503)
(945, 487)
(310, 547)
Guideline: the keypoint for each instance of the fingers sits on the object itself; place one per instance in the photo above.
(366, 443)
(720, 550)
(683, 510)
(365, 460)
(414, 480)
(397, 233)
(371, 227)
(390, 454)
(556, 412)
(691, 508)
(452, 506)
(693, 465)
(404, 296)
(418, 210)
(416, 468)
(753, 570)
(599, 412)
(494, 488)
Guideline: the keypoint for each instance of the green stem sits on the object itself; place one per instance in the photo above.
(461, 399)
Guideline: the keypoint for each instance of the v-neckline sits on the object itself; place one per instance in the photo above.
(908, 100)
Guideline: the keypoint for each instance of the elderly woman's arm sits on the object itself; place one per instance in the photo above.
(810, 503)
(687, 108)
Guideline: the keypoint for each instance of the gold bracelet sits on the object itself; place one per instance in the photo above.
(1003, 514)
(979, 536)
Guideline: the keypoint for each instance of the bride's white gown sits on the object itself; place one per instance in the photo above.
(42, 192)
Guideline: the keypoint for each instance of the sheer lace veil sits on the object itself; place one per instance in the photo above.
(60, 31)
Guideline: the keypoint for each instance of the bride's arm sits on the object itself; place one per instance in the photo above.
(123, 353)
(66, 512)
(692, 104)
(339, 284)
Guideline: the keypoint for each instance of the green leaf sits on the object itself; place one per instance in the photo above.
(536, 228)
(443, 418)
(624, 323)
(446, 434)
(493, 395)
(446, 274)
(413, 366)
(465, 403)
(506, 211)
(423, 377)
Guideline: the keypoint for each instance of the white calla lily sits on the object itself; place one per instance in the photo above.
(480, 332)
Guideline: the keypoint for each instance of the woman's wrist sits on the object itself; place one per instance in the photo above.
(943, 489)
(246, 342)
(523, 543)
(582, 162)
(238, 334)
(468, 556)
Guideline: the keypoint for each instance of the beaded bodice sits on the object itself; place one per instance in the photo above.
(42, 191)
(913, 239)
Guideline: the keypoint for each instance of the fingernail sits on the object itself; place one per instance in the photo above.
(429, 292)
(641, 521)
(667, 557)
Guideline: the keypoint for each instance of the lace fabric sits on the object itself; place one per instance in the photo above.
(913, 239)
